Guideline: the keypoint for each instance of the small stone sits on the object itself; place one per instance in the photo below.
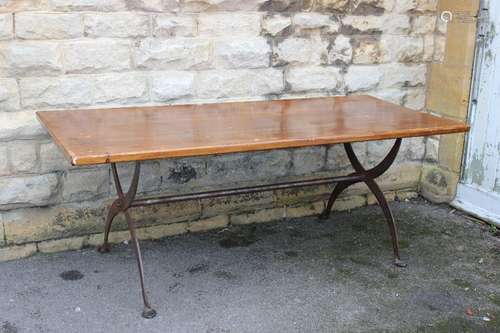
(299, 51)
(340, 51)
(244, 53)
(27, 190)
(170, 85)
(362, 78)
(275, 24)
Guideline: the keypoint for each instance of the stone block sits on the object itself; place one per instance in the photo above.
(6, 26)
(81, 90)
(239, 83)
(314, 20)
(415, 98)
(242, 53)
(297, 196)
(178, 54)
(423, 24)
(314, 78)
(404, 6)
(367, 50)
(29, 58)
(48, 26)
(346, 203)
(17, 252)
(65, 244)
(27, 190)
(299, 51)
(337, 6)
(404, 49)
(4, 162)
(153, 5)
(183, 174)
(432, 150)
(149, 180)
(438, 185)
(125, 25)
(216, 222)
(87, 5)
(362, 78)
(52, 158)
(397, 75)
(429, 47)
(451, 149)
(229, 24)
(308, 160)
(161, 231)
(393, 95)
(9, 95)
(236, 203)
(2, 232)
(372, 200)
(85, 184)
(276, 24)
(169, 85)
(390, 24)
(23, 156)
(166, 25)
(221, 5)
(259, 216)
(93, 56)
(19, 125)
(314, 208)
(336, 158)
(372, 7)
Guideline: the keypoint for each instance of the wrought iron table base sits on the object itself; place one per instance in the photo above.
(360, 174)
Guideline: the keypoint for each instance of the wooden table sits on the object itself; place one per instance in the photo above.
(135, 134)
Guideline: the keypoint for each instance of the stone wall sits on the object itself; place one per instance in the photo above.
(60, 54)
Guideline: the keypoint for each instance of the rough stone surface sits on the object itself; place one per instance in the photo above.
(314, 78)
(340, 51)
(171, 85)
(299, 51)
(174, 26)
(23, 156)
(51, 158)
(117, 25)
(275, 24)
(27, 190)
(6, 26)
(308, 160)
(48, 26)
(9, 95)
(239, 83)
(221, 25)
(30, 58)
(362, 78)
(247, 53)
(82, 185)
(87, 5)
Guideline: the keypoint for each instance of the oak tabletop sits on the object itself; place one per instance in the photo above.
(97, 136)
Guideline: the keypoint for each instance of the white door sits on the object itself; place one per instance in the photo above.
(479, 188)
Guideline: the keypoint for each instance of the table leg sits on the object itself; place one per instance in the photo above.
(121, 205)
(368, 177)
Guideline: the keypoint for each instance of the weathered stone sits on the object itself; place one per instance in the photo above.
(349, 202)
(236, 203)
(229, 24)
(127, 24)
(362, 78)
(372, 200)
(403, 6)
(367, 51)
(424, 24)
(301, 195)
(275, 24)
(29, 58)
(27, 190)
(178, 54)
(401, 176)
(259, 216)
(281, 5)
(336, 158)
(153, 5)
(403, 75)
(394, 95)
(392, 24)
(87, 5)
(333, 5)
(428, 48)
(244, 53)
(415, 98)
(6, 26)
(369, 7)
(52, 158)
(182, 174)
(432, 149)
(9, 95)
(405, 49)
(160, 231)
(216, 222)
(149, 179)
(48, 26)
(239, 83)
(340, 51)
(4, 164)
(313, 20)
(299, 51)
(248, 167)
(438, 185)
(81, 185)
(170, 85)
(65, 244)
(23, 156)
(91, 56)
(314, 78)
(221, 5)
(84, 90)
(310, 209)
(174, 26)
(17, 252)
(19, 125)
(308, 160)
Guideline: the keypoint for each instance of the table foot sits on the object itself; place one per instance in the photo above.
(148, 313)
(399, 263)
(104, 248)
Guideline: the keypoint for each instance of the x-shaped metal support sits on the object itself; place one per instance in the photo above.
(368, 177)
(121, 205)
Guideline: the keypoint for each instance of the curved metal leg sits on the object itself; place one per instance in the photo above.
(368, 177)
(121, 205)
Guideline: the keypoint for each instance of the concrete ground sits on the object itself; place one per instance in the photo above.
(299, 276)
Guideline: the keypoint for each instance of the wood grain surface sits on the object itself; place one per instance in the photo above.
(99, 136)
